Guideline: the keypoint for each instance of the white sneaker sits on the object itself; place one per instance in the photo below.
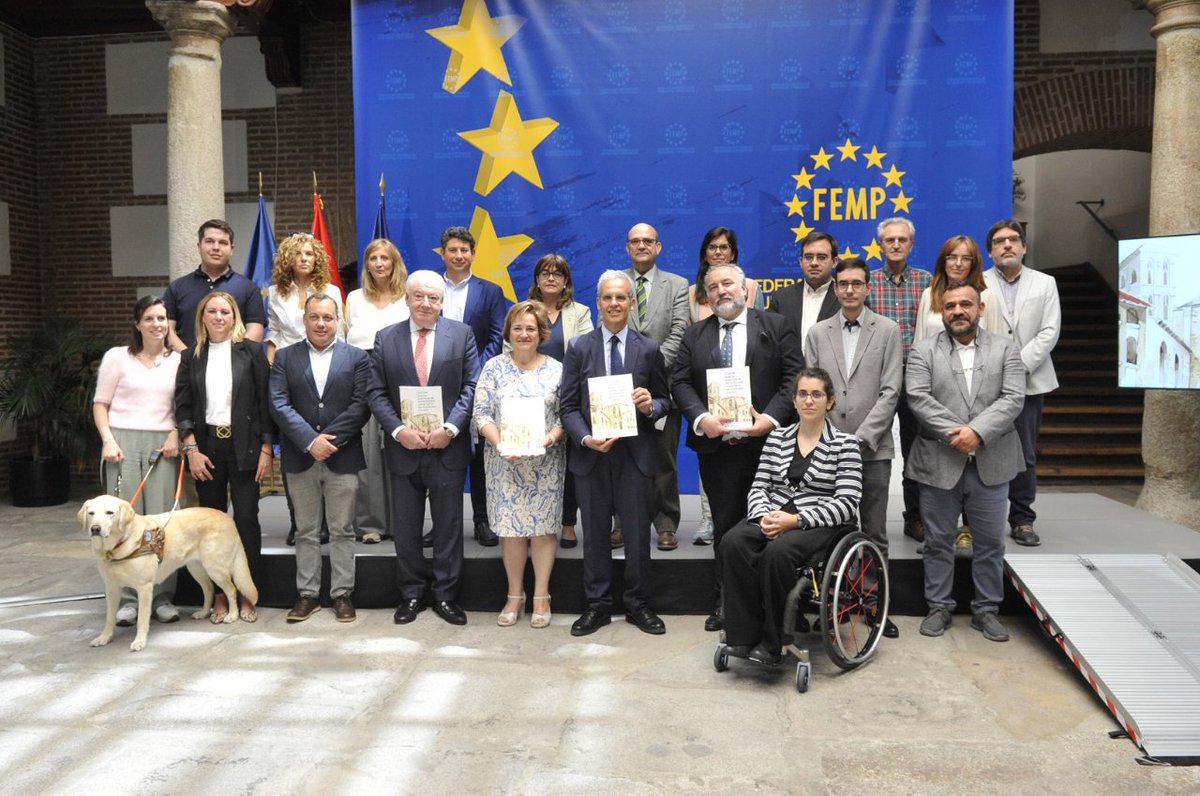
(166, 612)
(704, 535)
(372, 537)
(126, 615)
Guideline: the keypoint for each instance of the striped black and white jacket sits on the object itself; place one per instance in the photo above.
(829, 493)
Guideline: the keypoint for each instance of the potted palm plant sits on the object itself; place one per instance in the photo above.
(47, 381)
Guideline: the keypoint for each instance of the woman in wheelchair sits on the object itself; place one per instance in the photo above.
(805, 492)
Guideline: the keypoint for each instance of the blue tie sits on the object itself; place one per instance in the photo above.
(727, 345)
(615, 365)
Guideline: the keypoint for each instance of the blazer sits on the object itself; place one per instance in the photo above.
(250, 407)
(789, 303)
(453, 367)
(667, 315)
(827, 495)
(1034, 326)
(937, 395)
(301, 413)
(772, 353)
(867, 389)
(484, 313)
(586, 359)
(576, 320)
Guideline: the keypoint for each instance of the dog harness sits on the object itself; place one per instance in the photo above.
(151, 542)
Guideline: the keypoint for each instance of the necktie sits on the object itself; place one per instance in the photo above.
(727, 345)
(421, 358)
(640, 293)
(615, 365)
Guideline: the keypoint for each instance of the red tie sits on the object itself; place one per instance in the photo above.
(421, 359)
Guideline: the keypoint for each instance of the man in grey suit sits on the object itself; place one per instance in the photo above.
(966, 387)
(660, 313)
(861, 351)
(319, 400)
(1032, 319)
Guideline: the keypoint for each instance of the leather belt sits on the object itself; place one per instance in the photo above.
(221, 432)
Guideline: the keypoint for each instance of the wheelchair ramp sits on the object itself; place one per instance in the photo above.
(1131, 624)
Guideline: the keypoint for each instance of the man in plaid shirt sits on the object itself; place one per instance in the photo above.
(895, 292)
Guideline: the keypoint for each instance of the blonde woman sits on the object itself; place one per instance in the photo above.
(301, 269)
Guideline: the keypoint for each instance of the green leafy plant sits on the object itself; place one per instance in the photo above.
(47, 382)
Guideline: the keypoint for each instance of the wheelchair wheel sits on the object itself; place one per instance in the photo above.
(803, 676)
(720, 658)
(854, 600)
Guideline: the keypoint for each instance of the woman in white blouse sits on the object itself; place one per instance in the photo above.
(959, 260)
(378, 303)
(301, 269)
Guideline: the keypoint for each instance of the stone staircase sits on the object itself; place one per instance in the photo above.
(1091, 429)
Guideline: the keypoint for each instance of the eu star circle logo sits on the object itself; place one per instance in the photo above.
(618, 75)
(732, 71)
(453, 199)
(849, 68)
(732, 133)
(619, 136)
(675, 134)
(965, 126)
(674, 73)
(907, 66)
(620, 197)
(395, 81)
(791, 131)
(676, 195)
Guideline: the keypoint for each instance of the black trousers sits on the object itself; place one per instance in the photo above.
(616, 486)
(726, 475)
(229, 484)
(444, 488)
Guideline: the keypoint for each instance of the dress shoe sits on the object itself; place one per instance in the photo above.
(667, 541)
(765, 655)
(484, 535)
(915, 529)
(343, 609)
(565, 542)
(714, 621)
(618, 539)
(450, 612)
(427, 540)
(305, 607)
(291, 537)
(890, 630)
(1025, 535)
(407, 611)
(646, 621)
(591, 621)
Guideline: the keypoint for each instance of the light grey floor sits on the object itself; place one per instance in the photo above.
(321, 708)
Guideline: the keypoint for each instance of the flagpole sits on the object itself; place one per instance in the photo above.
(260, 193)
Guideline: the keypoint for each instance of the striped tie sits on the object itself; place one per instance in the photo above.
(641, 299)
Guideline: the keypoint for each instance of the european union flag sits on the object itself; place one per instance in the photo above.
(260, 259)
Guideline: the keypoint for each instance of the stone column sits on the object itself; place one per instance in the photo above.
(195, 159)
(1171, 425)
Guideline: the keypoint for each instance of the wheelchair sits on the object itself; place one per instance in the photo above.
(848, 593)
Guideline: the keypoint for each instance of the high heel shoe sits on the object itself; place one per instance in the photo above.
(540, 620)
(509, 618)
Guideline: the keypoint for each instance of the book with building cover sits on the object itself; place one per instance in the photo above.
(613, 412)
(421, 408)
(522, 425)
(729, 396)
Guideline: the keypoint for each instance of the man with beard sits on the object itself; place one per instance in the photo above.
(734, 336)
(966, 386)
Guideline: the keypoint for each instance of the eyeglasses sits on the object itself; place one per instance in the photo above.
(635, 242)
(551, 275)
(853, 284)
(1014, 239)
(959, 258)
(804, 395)
(719, 247)
(816, 258)
(896, 241)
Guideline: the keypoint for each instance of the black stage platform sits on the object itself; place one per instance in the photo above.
(683, 578)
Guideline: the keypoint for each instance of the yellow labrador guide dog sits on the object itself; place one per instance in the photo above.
(138, 551)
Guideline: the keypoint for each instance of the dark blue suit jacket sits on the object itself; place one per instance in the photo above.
(484, 313)
(585, 358)
(302, 414)
(454, 367)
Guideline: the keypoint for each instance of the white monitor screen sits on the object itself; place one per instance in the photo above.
(1159, 312)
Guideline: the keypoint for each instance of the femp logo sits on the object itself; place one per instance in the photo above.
(619, 136)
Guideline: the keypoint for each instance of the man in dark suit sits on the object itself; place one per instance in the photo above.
(811, 299)
(319, 401)
(615, 475)
(426, 350)
(482, 306)
(966, 386)
(734, 336)
(861, 351)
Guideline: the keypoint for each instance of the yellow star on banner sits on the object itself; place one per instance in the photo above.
(873, 251)
(821, 159)
(796, 206)
(900, 202)
(475, 44)
(507, 145)
(801, 231)
(848, 150)
(803, 179)
(875, 157)
(893, 176)
(846, 252)
(493, 255)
